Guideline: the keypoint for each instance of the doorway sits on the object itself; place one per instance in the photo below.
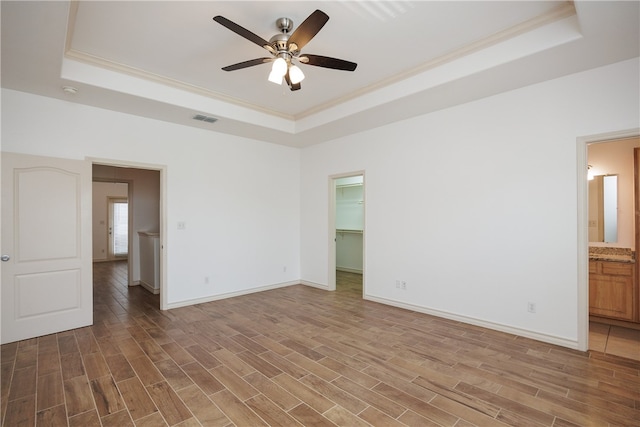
(122, 217)
(118, 230)
(347, 229)
(600, 297)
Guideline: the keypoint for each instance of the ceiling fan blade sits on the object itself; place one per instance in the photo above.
(291, 85)
(327, 62)
(308, 29)
(243, 32)
(245, 64)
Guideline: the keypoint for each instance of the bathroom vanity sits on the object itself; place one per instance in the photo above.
(613, 291)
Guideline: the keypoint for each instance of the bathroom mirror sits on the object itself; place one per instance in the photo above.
(603, 209)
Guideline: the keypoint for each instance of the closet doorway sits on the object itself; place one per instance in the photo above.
(347, 219)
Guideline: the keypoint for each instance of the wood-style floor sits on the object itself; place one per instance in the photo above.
(301, 356)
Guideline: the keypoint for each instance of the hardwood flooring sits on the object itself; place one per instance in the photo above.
(301, 356)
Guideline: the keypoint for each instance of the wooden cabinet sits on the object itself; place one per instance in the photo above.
(612, 290)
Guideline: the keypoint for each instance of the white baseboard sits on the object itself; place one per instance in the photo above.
(349, 270)
(314, 285)
(148, 287)
(230, 294)
(538, 336)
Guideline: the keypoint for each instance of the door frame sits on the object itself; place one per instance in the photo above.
(162, 169)
(331, 285)
(583, 226)
(130, 218)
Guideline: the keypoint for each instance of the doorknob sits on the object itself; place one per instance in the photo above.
(5, 258)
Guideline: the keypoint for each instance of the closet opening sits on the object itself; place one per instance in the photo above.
(347, 261)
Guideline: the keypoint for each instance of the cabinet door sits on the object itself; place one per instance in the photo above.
(611, 296)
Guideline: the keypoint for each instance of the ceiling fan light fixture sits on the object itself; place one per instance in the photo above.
(279, 67)
(295, 74)
(274, 77)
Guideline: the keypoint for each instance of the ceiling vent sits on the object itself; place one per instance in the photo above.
(207, 119)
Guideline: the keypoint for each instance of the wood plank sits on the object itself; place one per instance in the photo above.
(95, 365)
(207, 382)
(168, 402)
(21, 412)
(146, 370)
(270, 413)
(202, 407)
(119, 367)
(50, 391)
(78, 396)
(239, 413)
(232, 382)
(307, 416)
(23, 383)
(136, 398)
(53, 416)
(278, 395)
(173, 374)
(107, 396)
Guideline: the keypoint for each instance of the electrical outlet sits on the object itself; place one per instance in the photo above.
(398, 285)
(182, 225)
(206, 280)
(403, 285)
(531, 307)
(284, 269)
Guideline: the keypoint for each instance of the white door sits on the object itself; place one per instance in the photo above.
(118, 228)
(46, 236)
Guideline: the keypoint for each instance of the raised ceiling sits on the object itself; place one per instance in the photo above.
(163, 59)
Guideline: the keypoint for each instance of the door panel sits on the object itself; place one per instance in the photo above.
(46, 231)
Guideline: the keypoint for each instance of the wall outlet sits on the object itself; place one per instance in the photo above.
(206, 280)
(403, 285)
(398, 285)
(284, 269)
(182, 225)
(531, 307)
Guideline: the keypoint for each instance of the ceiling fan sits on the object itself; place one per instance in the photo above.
(285, 48)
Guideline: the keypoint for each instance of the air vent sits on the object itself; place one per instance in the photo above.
(207, 119)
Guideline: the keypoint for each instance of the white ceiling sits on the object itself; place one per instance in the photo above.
(163, 59)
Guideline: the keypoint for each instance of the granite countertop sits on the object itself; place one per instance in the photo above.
(601, 253)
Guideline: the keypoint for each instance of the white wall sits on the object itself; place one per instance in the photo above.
(475, 207)
(239, 198)
(616, 158)
(100, 221)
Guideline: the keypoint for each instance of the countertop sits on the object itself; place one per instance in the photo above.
(602, 253)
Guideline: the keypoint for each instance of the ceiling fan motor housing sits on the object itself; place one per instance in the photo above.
(280, 42)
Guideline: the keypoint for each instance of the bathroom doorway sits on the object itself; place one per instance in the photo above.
(608, 265)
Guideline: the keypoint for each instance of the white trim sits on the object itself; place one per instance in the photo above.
(189, 302)
(582, 231)
(538, 336)
(162, 169)
(316, 285)
(349, 270)
(149, 287)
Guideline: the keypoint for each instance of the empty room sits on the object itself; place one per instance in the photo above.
(346, 213)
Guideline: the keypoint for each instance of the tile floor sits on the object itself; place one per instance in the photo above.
(614, 340)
